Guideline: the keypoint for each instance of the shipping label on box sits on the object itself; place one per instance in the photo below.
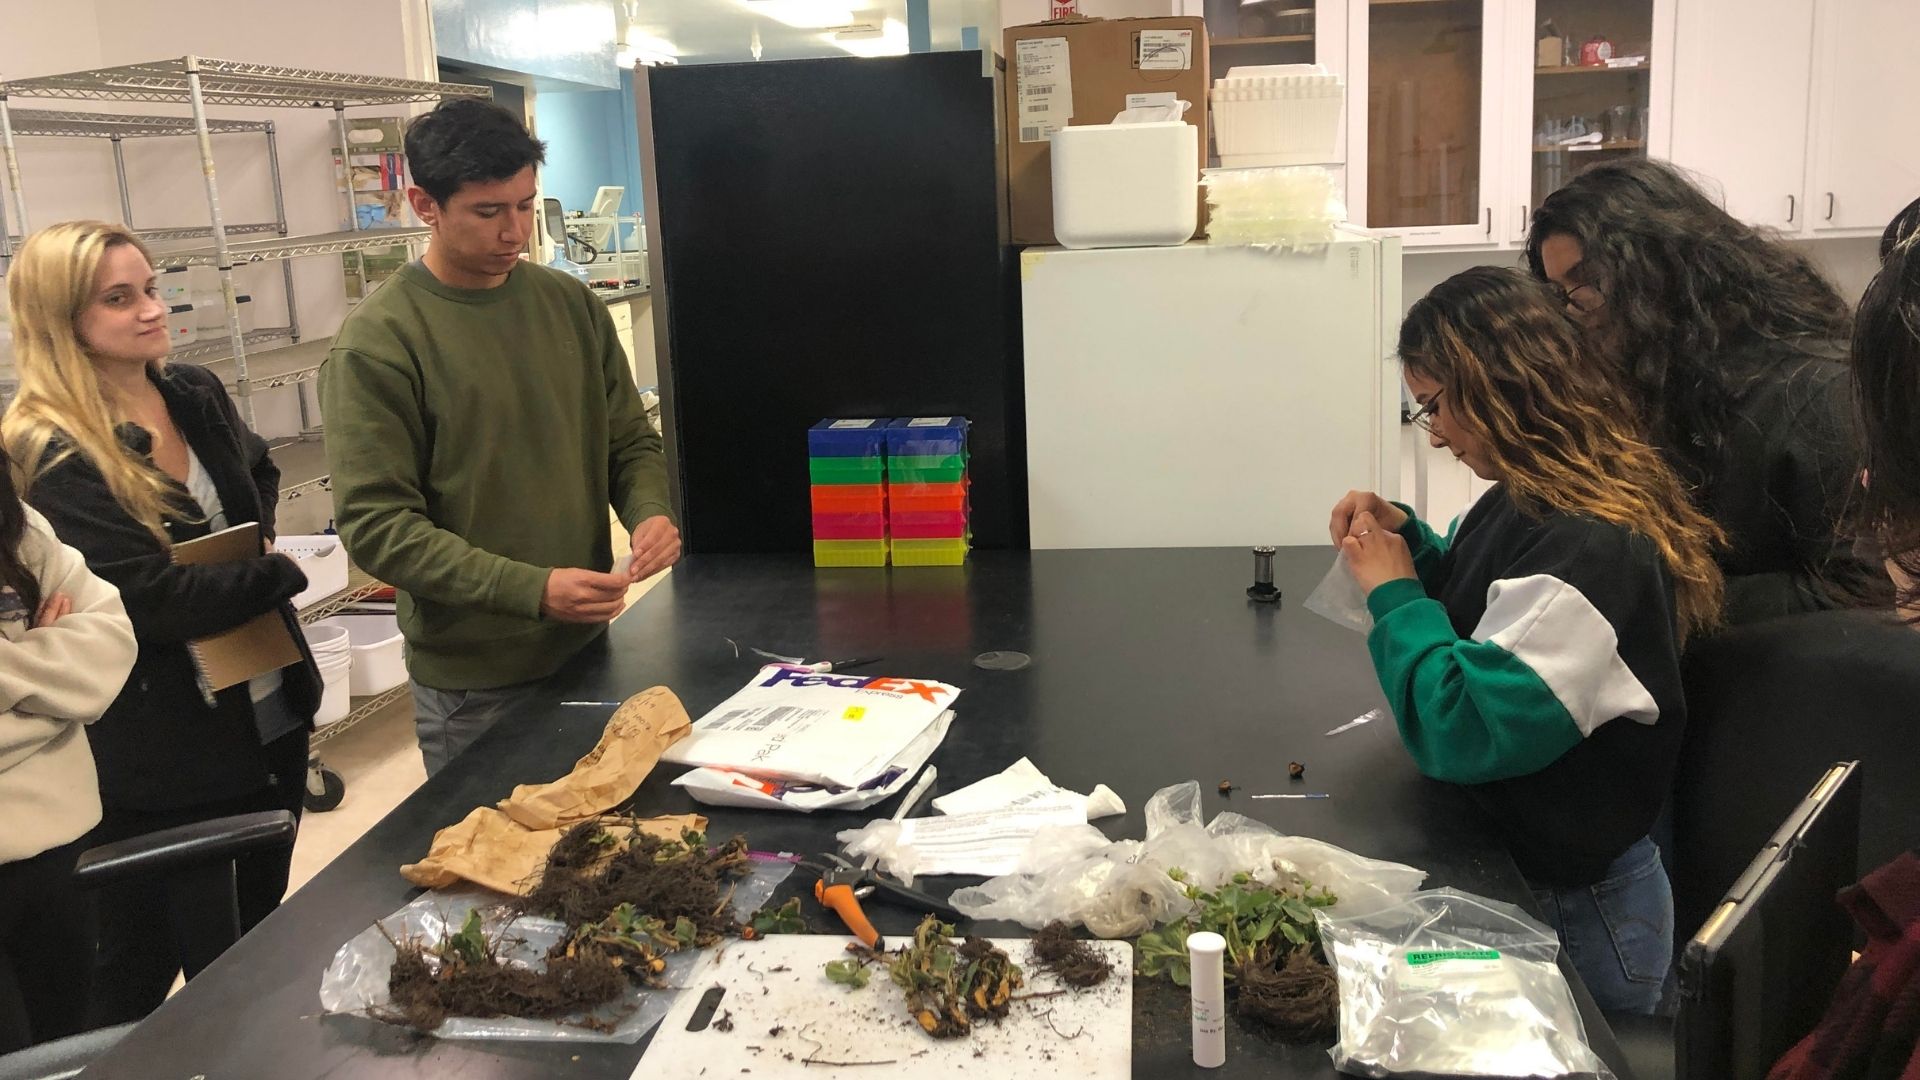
(1165, 50)
(1043, 87)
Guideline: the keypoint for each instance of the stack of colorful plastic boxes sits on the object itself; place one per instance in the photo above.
(927, 497)
(847, 459)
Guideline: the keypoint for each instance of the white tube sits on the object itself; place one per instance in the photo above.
(1205, 951)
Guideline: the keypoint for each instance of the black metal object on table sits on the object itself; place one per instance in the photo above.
(1149, 668)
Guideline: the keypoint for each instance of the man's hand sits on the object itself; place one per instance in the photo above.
(583, 596)
(1375, 554)
(53, 609)
(1357, 502)
(656, 546)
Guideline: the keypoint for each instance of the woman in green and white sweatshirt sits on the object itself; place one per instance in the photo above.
(65, 648)
(1533, 656)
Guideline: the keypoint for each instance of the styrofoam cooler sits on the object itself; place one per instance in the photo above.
(323, 559)
(1126, 185)
(332, 648)
(379, 656)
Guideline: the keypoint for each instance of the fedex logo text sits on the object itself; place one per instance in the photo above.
(801, 677)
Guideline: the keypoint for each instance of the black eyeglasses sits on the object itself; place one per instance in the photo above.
(1567, 296)
(1423, 418)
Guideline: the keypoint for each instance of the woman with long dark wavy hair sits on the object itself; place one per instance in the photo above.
(1533, 655)
(65, 649)
(1886, 358)
(1734, 346)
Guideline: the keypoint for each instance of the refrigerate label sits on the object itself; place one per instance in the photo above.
(1043, 82)
(1165, 50)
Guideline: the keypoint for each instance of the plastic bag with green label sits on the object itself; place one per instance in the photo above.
(1446, 983)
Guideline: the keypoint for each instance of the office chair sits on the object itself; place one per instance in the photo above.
(198, 862)
(1761, 970)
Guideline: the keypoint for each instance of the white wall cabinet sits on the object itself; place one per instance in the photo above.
(1424, 105)
(1800, 110)
(1742, 96)
(1865, 139)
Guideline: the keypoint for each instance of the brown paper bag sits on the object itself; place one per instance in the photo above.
(493, 850)
(637, 734)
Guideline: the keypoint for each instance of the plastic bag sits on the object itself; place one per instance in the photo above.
(1446, 983)
(1340, 599)
(1121, 888)
(356, 980)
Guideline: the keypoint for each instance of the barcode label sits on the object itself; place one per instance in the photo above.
(758, 719)
(1030, 134)
(1038, 89)
(1040, 108)
(1044, 87)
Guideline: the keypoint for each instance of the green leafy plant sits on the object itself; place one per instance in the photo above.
(469, 945)
(785, 919)
(1251, 915)
(851, 972)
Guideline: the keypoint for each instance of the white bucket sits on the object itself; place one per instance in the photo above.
(332, 653)
(379, 657)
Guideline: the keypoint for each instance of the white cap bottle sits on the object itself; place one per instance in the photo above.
(1206, 952)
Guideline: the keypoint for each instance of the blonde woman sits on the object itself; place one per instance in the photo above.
(128, 455)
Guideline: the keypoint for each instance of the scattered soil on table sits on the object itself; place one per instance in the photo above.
(1075, 962)
(1295, 994)
(424, 996)
(588, 874)
(1295, 770)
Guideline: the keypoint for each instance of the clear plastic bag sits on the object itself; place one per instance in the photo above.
(356, 981)
(1446, 983)
(1121, 888)
(1340, 599)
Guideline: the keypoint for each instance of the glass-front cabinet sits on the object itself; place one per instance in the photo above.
(1423, 90)
(1591, 79)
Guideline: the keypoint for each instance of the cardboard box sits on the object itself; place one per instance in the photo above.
(1081, 71)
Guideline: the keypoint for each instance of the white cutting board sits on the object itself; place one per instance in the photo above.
(830, 1022)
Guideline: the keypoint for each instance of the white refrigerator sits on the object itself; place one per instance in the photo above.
(1203, 396)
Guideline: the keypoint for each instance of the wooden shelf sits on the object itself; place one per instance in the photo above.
(1583, 69)
(1594, 148)
(1283, 39)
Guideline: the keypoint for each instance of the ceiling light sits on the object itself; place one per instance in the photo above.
(890, 39)
(803, 14)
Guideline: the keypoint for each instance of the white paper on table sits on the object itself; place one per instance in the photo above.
(726, 787)
(1023, 784)
(812, 727)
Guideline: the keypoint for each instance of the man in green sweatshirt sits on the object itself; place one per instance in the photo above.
(481, 419)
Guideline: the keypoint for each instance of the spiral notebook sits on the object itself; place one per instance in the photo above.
(261, 644)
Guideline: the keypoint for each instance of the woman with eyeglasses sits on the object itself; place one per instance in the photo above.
(1533, 655)
(1734, 346)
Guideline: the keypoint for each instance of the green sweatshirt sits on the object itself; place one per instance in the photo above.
(477, 438)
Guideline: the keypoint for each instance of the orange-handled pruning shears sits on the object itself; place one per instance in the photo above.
(842, 885)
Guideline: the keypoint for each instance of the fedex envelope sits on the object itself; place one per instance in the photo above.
(794, 724)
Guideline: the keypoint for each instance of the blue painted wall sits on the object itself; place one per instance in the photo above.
(592, 139)
(567, 40)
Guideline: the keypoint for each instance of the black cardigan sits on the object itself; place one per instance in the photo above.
(160, 746)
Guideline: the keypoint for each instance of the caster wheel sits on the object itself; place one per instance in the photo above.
(325, 789)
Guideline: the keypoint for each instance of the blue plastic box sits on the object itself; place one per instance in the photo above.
(927, 436)
(847, 438)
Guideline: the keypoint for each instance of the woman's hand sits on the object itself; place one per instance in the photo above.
(52, 609)
(1358, 502)
(1376, 554)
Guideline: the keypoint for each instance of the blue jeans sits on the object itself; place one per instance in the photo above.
(1618, 931)
(448, 721)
